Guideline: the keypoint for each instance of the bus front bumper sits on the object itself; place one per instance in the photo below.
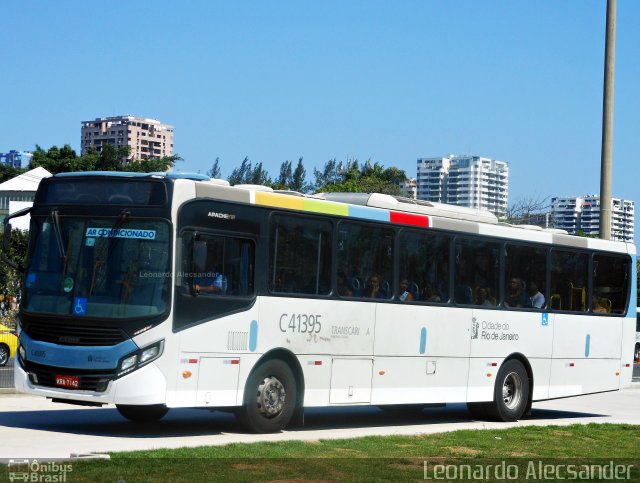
(144, 386)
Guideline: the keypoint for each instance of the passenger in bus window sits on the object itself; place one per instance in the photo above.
(213, 282)
(405, 294)
(535, 299)
(373, 288)
(442, 282)
(428, 294)
(598, 308)
(482, 297)
(343, 288)
(514, 297)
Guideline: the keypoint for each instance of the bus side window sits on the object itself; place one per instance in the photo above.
(569, 275)
(366, 255)
(611, 276)
(424, 267)
(477, 271)
(299, 255)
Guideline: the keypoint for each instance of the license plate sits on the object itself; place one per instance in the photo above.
(68, 381)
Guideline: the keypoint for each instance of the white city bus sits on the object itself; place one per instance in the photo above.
(161, 291)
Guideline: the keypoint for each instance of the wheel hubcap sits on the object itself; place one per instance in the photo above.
(4, 356)
(271, 397)
(512, 390)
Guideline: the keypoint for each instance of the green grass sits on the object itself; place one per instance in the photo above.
(392, 458)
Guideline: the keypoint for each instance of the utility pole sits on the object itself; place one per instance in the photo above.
(606, 161)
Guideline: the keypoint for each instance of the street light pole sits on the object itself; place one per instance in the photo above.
(606, 161)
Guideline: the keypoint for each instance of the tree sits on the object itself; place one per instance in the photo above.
(328, 175)
(110, 158)
(525, 209)
(61, 160)
(8, 172)
(10, 280)
(349, 177)
(298, 180)
(242, 174)
(259, 176)
(290, 179)
(285, 178)
(214, 172)
(151, 165)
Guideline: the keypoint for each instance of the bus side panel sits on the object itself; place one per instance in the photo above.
(629, 338)
(307, 326)
(497, 334)
(434, 345)
(586, 355)
(419, 380)
(212, 359)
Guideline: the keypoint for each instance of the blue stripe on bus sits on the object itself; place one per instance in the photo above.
(369, 213)
(587, 345)
(75, 357)
(423, 340)
(253, 336)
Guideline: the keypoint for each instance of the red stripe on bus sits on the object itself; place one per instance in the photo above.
(409, 219)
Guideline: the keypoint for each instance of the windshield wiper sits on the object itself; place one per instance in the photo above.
(106, 247)
(58, 233)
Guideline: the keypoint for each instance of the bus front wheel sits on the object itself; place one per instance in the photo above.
(511, 392)
(269, 398)
(144, 414)
(636, 353)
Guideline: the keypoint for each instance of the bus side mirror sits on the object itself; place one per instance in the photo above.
(6, 238)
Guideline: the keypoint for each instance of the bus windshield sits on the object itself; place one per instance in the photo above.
(103, 268)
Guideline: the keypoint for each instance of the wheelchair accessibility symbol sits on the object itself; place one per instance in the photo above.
(80, 306)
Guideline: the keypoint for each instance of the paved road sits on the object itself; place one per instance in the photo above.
(37, 428)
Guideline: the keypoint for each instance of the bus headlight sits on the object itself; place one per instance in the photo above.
(149, 354)
(128, 363)
(140, 357)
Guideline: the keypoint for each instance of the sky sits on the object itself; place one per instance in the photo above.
(518, 81)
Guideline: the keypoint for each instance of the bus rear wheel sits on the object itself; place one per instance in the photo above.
(144, 414)
(269, 398)
(511, 392)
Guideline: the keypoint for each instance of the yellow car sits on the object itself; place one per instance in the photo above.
(8, 344)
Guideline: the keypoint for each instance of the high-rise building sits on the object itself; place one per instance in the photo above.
(472, 181)
(17, 159)
(409, 188)
(582, 214)
(148, 138)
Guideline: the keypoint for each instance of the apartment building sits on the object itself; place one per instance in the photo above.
(148, 138)
(471, 181)
(16, 159)
(409, 188)
(582, 214)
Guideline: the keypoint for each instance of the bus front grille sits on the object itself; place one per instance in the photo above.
(84, 335)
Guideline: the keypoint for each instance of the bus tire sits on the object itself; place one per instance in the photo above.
(269, 398)
(636, 353)
(143, 414)
(511, 392)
